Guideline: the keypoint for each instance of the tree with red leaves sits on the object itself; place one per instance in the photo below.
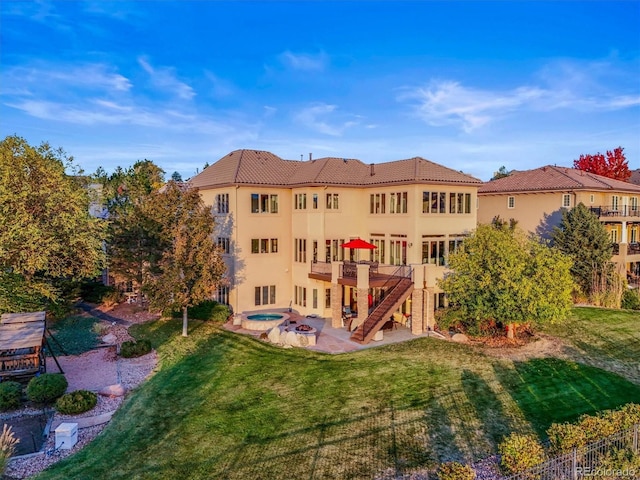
(614, 165)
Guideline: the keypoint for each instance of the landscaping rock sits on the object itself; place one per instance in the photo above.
(460, 338)
(116, 390)
(291, 338)
(274, 335)
(303, 340)
(110, 338)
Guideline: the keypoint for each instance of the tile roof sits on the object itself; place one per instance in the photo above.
(256, 167)
(635, 176)
(551, 178)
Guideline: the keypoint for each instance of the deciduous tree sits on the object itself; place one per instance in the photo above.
(46, 231)
(500, 275)
(613, 165)
(191, 268)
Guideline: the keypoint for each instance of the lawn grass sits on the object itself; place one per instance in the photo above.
(228, 406)
(609, 339)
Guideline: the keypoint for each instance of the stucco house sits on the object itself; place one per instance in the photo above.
(282, 223)
(536, 199)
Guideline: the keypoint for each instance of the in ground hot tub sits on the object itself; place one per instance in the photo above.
(263, 321)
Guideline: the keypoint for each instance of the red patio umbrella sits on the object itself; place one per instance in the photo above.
(358, 243)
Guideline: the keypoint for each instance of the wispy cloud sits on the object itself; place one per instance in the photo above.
(165, 79)
(316, 116)
(449, 102)
(304, 61)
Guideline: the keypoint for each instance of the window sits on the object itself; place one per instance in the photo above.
(314, 259)
(377, 202)
(614, 235)
(300, 296)
(265, 295)
(377, 254)
(398, 252)
(327, 298)
(300, 201)
(300, 253)
(511, 202)
(454, 244)
(332, 201)
(459, 202)
(398, 202)
(334, 252)
(223, 243)
(566, 200)
(315, 201)
(222, 203)
(434, 202)
(592, 198)
(315, 298)
(264, 203)
(221, 295)
(264, 245)
(633, 234)
(433, 251)
(634, 204)
(614, 203)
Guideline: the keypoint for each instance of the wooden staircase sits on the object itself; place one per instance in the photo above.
(396, 295)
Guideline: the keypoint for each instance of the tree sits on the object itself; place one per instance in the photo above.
(46, 231)
(500, 275)
(176, 177)
(134, 244)
(191, 268)
(501, 173)
(581, 236)
(614, 165)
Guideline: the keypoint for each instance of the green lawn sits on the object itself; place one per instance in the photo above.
(227, 406)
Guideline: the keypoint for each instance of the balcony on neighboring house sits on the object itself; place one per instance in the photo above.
(608, 211)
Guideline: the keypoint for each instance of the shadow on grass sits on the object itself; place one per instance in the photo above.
(552, 390)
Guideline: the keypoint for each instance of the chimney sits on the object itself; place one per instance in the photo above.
(373, 169)
(309, 156)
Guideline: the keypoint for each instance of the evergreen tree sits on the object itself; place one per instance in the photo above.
(582, 237)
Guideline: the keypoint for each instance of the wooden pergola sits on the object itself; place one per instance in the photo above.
(22, 344)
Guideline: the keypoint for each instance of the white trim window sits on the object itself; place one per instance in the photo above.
(511, 201)
(566, 200)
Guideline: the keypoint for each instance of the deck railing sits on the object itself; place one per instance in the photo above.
(321, 268)
(620, 211)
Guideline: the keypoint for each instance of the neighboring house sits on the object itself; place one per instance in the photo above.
(536, 199)
(281, 224)
(635, 176)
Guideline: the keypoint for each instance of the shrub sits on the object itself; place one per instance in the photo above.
(132, 349)
(520, 452)
(8, 444)
(207, 310)
(10, 395)
(79, 401)
(455, 471)
(112, 297)
(93, 291)
(47, 387)
(630, 300)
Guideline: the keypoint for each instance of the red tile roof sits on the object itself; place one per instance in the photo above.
(256, 167)
(551, 178)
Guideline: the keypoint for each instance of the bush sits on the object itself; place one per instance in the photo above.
(455, 471)
(207, 310)
(10, 395)
(520, 452)
(8, 444)
(630, 300)
(79, 401)
(135, 349)
(47, 387)
(94, 292)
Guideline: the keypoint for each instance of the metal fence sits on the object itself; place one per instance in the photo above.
(589, 461)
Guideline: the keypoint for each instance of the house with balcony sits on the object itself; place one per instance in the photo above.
(536, 199)
(282, 225)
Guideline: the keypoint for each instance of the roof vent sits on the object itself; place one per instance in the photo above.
(373, 170)
(544, 169)
(344, 160)
(310, 155)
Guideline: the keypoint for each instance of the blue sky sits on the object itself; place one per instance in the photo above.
(471, 85)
